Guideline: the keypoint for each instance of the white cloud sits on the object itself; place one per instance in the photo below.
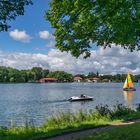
(108, 61)
(21, 36)
(46, 35)
(49, 37)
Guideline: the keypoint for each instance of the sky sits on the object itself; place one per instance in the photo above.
(30, 43)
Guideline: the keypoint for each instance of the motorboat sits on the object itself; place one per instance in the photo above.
(81, 98)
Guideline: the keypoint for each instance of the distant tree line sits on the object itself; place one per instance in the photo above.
(111, 78)
(120, 77)
(61, 76)
(8, 74)
(12, 75)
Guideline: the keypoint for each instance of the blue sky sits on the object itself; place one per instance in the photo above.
(32, 22)
(30, 43)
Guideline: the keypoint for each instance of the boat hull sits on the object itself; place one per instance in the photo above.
(82, 98)
(129, 89)
(88, 99)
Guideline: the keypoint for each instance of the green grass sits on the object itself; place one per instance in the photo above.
(130, 132)
(69, 122)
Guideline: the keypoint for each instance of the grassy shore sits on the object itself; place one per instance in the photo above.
(69, 122)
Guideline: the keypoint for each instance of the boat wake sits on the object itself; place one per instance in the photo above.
(58, 101)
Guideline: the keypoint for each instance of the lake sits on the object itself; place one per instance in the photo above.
(38, 102)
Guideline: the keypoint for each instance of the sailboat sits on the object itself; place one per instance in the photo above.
(128, 85)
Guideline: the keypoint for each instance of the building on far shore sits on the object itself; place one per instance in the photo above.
(93, 79)
(96, 79)
(78, 79)
(47, 79)
(106, 80)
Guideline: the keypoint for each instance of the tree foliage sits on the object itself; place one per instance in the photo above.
(79, 23)
(12, 75)
(9, 10)
(8, 74)
(61, 76)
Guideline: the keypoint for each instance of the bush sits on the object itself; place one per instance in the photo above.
(103, 111)
(138, 107)
(119, 110)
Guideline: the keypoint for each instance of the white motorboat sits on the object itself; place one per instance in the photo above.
(81, 98)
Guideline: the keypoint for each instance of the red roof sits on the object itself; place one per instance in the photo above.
(49, 79)
(77, 78)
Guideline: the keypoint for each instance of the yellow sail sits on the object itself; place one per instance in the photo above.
(125, 84)
(128, 82)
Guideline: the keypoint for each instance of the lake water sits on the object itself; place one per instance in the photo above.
(40, 101)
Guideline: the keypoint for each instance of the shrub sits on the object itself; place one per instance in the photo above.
(119, 110)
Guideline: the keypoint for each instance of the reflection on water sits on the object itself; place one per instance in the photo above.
(128, 97)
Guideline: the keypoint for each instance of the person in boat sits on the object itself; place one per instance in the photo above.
(82, 96)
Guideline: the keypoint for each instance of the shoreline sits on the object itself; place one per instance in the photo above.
(72, 124)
